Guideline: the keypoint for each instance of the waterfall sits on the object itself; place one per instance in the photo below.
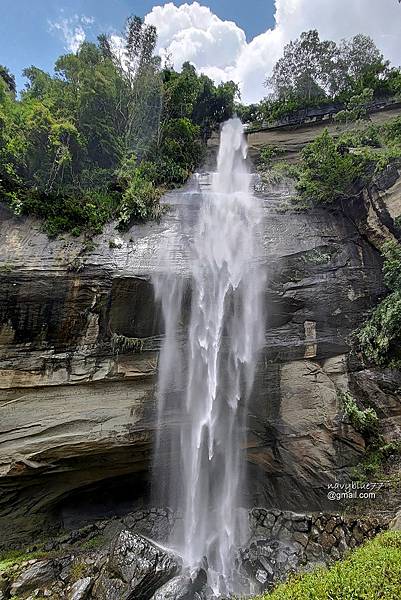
(214, 329)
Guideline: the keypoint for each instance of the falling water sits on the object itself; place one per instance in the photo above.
(207, 366)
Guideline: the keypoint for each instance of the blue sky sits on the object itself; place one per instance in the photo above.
(226, 39)
(27, 37)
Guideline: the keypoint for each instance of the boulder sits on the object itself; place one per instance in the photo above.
(39, 574)
(188, 586)
(108, 588)
(80, 590)
(139, 566)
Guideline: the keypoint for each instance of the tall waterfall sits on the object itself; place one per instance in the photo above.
(214, 329)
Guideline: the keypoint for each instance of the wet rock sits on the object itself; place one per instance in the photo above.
(301, 538)
(327, 541)
(107, 588)
(314, 551)
(183, 587)
(267, 562)
(80, 590)
(141, 565)
(38, 574)
(301, 526)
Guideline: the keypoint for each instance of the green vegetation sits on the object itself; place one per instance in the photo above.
(328, 172)
(335, 168)
(106, 135)
(356, 109)
(268, 154)
(78, 570)
(7, 268)
(370, 572)
(94, 543)
(379, 338)
(13, 558)
(122, 343)
(376, 460)
(378, 452)
(364, 420)
(314, 72)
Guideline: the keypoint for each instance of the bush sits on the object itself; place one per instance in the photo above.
(379, 338)
(334, 169)
(268, 154)
(372, 571)
(61, 212)
(376, 459)
(356, 108)
(365, 420)
(328, 171)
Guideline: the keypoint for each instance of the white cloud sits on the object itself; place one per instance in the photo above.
(219, 48)
(192, 32)
(72, 30)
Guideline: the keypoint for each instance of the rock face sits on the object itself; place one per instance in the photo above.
(38, 575)
(189, 586)
(79, 339)
(81, 588)
(286, 542)
(136, 568)
(291, 137)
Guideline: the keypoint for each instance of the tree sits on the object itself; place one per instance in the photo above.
(361, 65)
(357, 108)
(107, 134)
(302, 71)
(139, 68)
(312, 70)
(8, 79)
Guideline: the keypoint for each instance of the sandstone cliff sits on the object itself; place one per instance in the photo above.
(79, 339)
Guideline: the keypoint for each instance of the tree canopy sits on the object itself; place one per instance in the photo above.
(311, 68)
(106, 134)
(313, 72)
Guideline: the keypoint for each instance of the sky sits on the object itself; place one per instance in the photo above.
(226, 39)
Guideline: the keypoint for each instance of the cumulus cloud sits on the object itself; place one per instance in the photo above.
(220, 49)
(72, 30)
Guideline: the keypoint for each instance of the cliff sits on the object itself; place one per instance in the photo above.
(79, 339)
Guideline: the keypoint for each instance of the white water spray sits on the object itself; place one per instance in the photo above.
(207, 367)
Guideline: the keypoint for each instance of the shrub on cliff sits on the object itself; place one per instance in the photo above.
(379, 338)
(328, 171)
(370, 572)
(333, 168)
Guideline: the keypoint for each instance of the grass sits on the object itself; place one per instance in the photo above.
(78, 571)
(13, 558)
(122, 343)
(10, 559)
(94, 543)
(371, 572)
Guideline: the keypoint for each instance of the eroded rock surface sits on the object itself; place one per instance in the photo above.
(79, 340)
(136, 568)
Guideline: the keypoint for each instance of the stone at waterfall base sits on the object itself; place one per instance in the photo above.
(188, 586)
(136, 569)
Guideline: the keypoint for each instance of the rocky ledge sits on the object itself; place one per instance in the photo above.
(116, 559)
